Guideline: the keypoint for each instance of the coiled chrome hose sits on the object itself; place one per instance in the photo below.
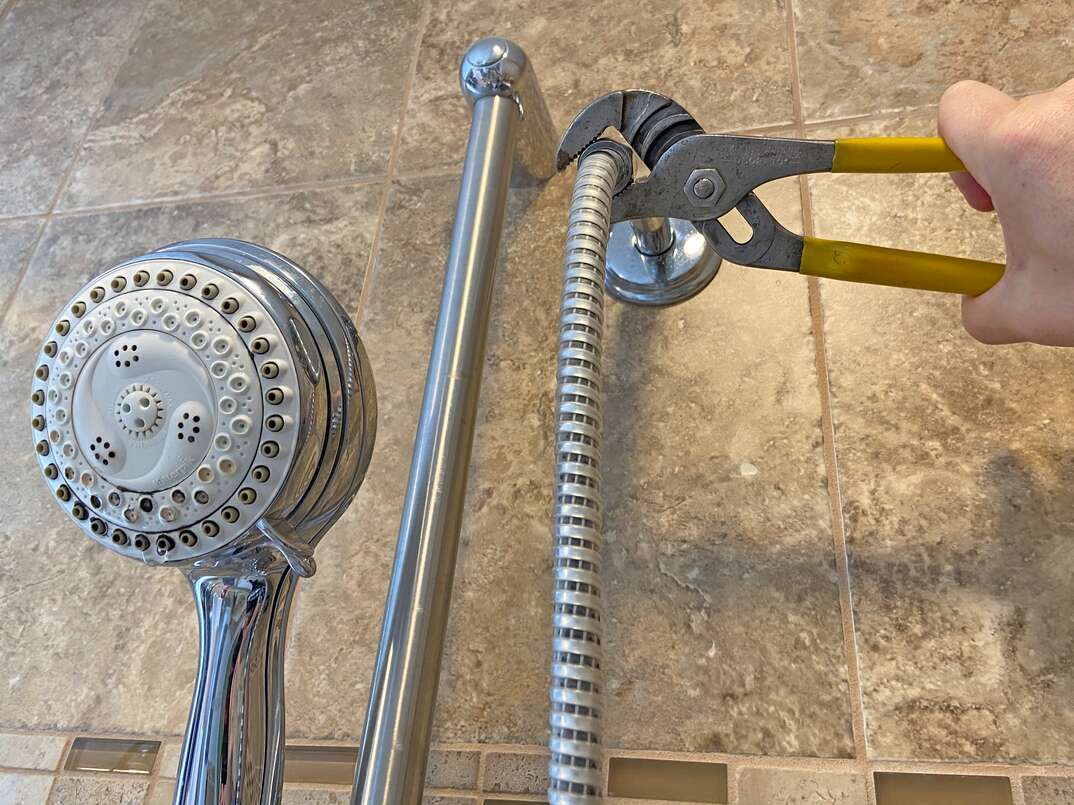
(576, 685)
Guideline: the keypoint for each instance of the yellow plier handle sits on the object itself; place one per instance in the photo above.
(894, 155)
(877, 265)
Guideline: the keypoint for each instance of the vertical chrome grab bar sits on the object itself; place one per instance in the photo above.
(510, 123)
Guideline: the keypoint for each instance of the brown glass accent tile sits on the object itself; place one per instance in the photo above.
(112, 755)
(941, 789)
(679, 780)
(327, 765)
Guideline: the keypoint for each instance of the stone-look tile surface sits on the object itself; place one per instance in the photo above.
(25, 789)
(513, 773)
(582, 50)
(718, 524)
(859, 57)
(786, 787)
(451, 769)
(119, 638)
(162, 793)
(1048, 791)
(955, 474)
(234, 95)
(31, 751)
(57, 60)
(94, 790)
(16, 240)
(438, 800)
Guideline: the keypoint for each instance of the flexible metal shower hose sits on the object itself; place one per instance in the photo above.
(576, 685)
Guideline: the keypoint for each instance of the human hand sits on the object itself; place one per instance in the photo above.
(1019, 155)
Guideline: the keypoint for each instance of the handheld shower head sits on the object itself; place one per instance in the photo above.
(210, 406)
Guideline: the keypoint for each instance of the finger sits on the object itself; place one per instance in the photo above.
(986, 317)
(968, 110)
(976, 195)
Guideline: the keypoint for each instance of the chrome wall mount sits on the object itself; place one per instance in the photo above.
(209, 406)
(658, 261)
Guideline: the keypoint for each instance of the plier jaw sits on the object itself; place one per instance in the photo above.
(648, 121)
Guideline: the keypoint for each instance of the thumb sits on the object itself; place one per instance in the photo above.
(968, 111)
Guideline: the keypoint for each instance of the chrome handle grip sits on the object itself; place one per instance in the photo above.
(233, 749)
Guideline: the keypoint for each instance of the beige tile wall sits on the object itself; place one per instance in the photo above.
(836, 525)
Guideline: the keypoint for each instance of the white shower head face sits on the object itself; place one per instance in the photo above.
(167, 408)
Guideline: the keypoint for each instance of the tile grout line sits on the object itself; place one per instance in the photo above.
(792, 66)
(241, 194)
(889, 114)
(842, 559)
(393, 156)
(66, 178)
(835, 505)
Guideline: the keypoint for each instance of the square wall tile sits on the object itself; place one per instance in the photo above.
(57, 61)
(579, 51)
(231, 95)
(859, 57)
(717, 526)
(162, 793)
(25, 789)
(954, 472)
(515, 773)
(793, 787)
(74, 790)
(31, 751)
(1048, 790)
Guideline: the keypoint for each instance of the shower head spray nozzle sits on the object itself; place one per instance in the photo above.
(210, 406)
(189, 396)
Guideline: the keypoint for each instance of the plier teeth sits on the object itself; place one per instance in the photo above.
(648, 121)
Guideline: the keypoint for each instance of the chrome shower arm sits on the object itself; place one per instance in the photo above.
(233, 748)
(509, 121)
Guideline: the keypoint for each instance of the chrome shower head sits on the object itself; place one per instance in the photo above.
(210, 406)
(197, 394)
